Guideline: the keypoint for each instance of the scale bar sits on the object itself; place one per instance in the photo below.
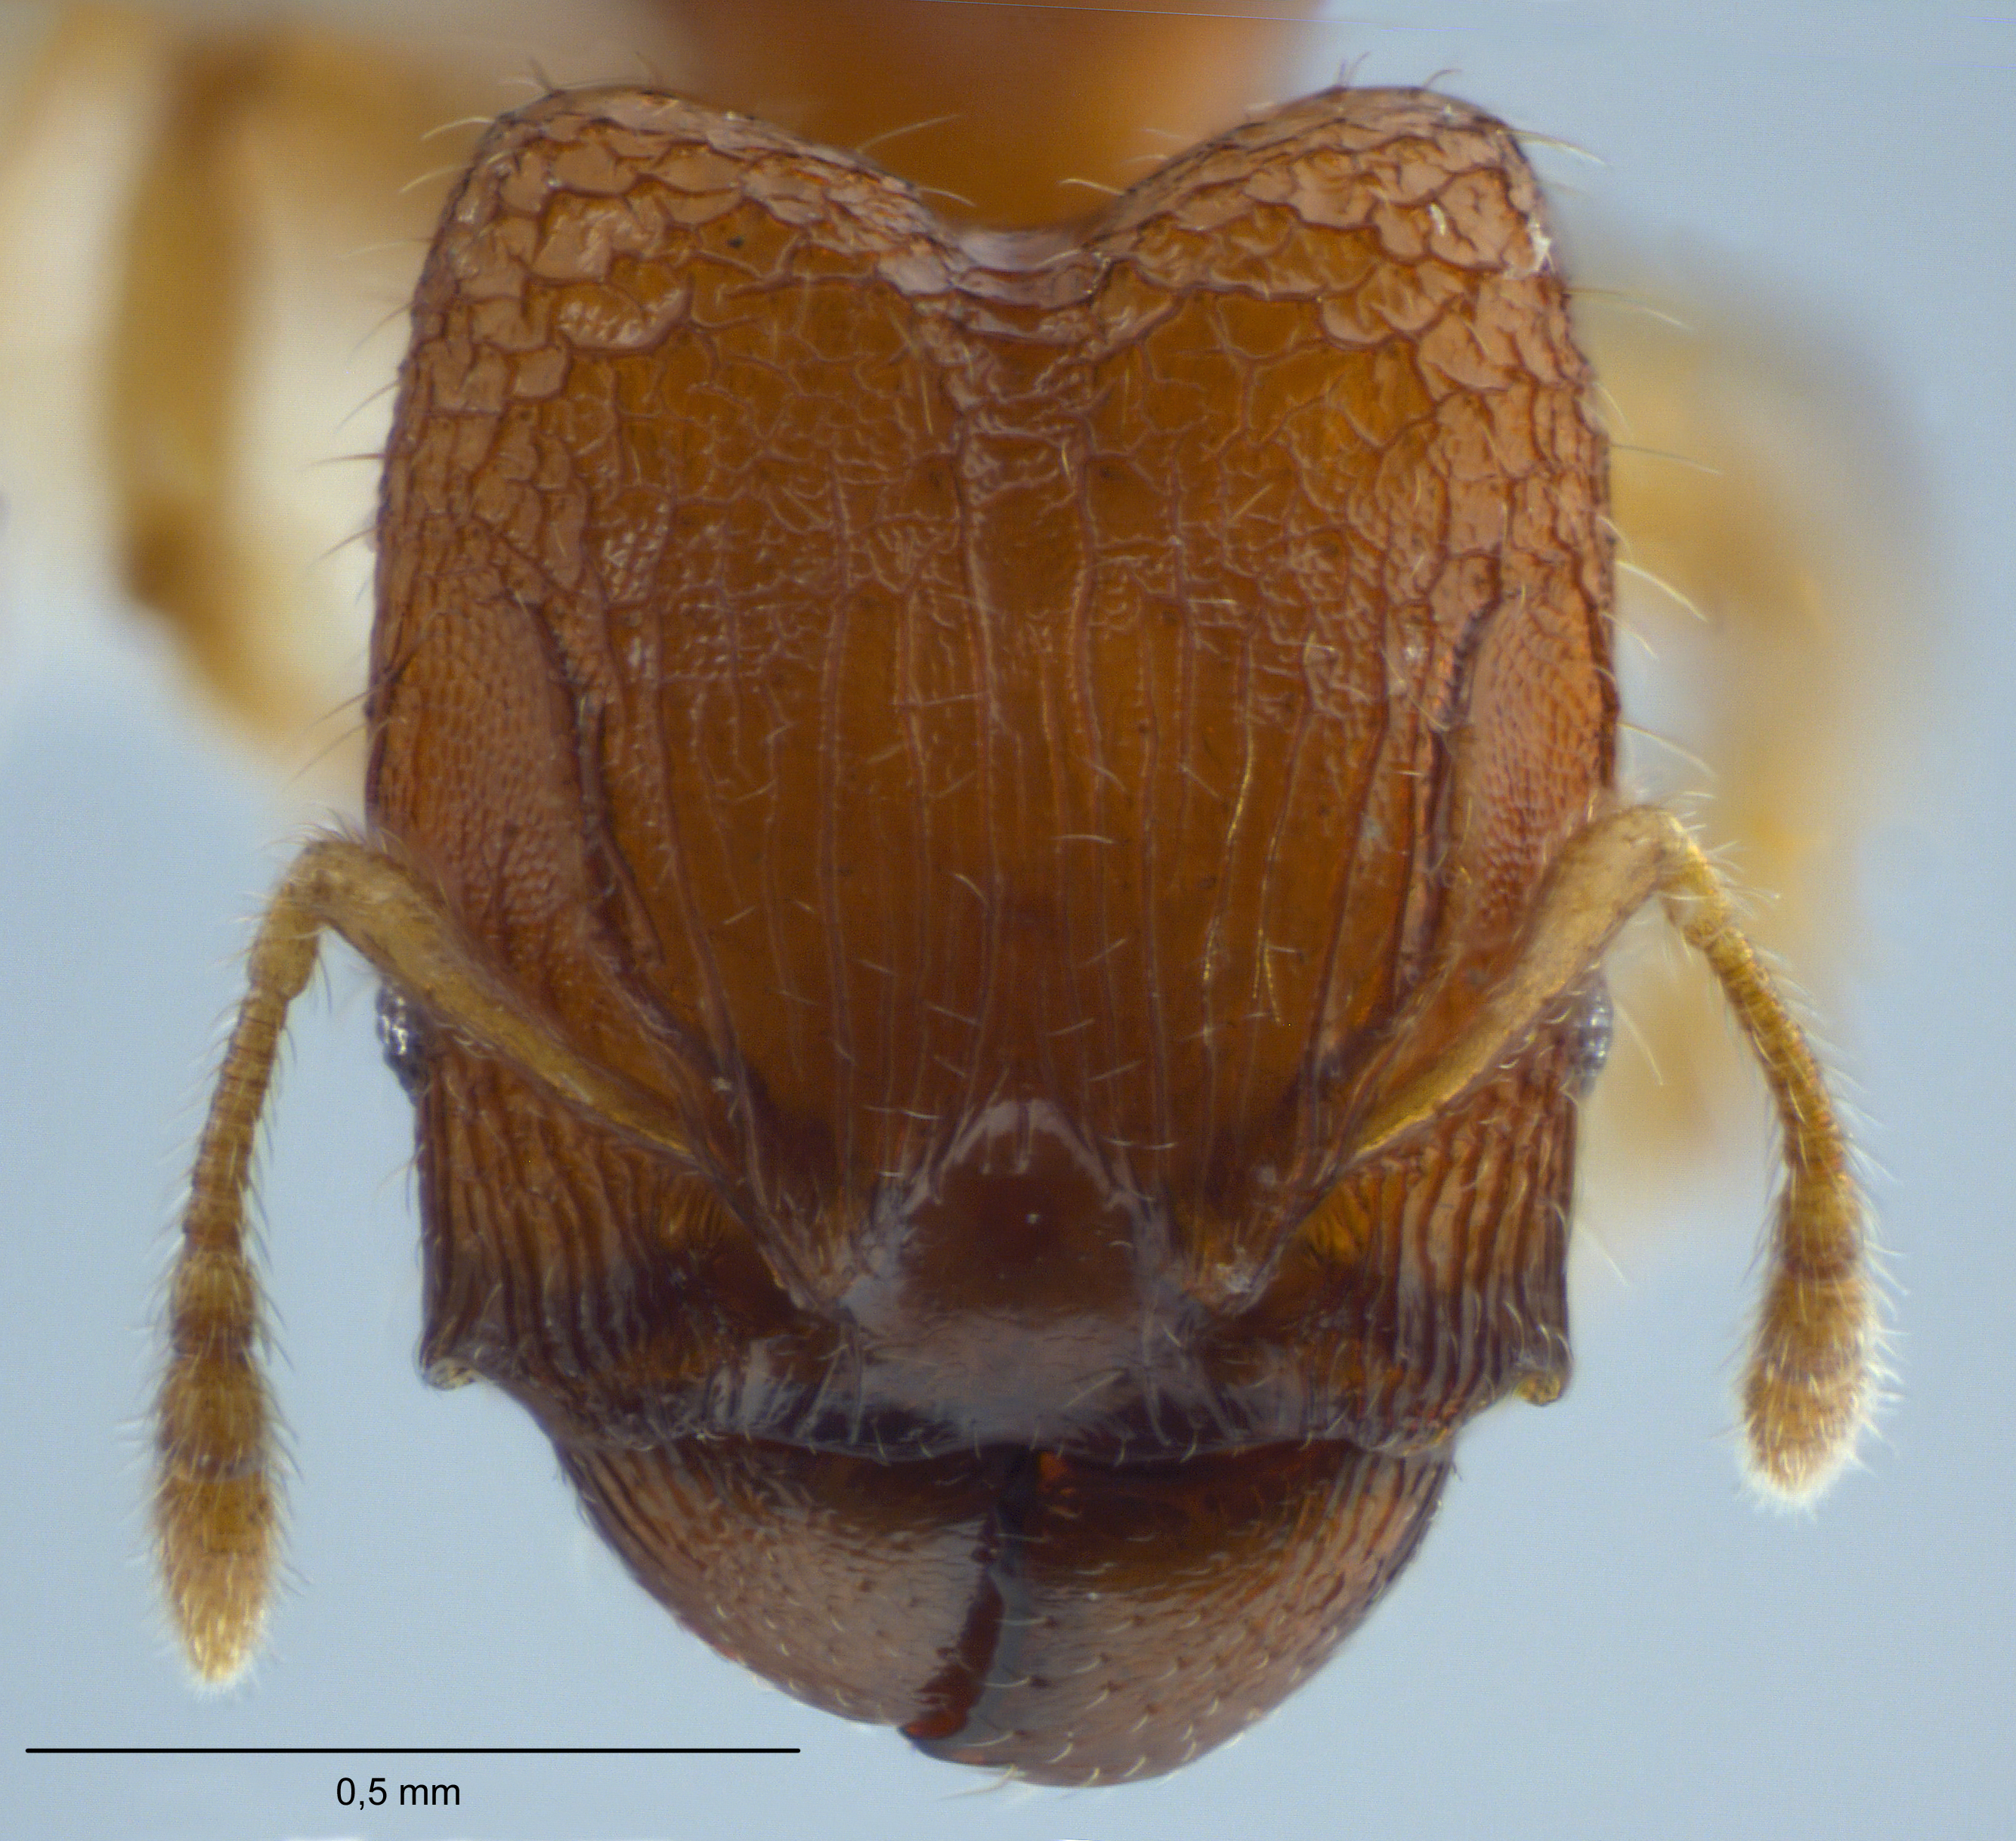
(375, 1751)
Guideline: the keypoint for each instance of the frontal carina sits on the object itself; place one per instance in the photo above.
(991, 853)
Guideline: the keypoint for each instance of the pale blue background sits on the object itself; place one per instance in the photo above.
(1604, 1637)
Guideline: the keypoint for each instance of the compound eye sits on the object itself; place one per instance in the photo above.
(406, 1039)
(1590, 1037)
